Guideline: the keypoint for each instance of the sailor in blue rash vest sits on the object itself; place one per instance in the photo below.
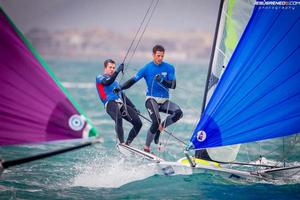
(159, 77)
(117, 105)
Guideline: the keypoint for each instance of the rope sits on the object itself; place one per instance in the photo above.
(171, 134)
(140, 38)
(139, 29)
(283, 157)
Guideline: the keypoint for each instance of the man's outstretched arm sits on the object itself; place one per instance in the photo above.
(110, 80)
(128, 83)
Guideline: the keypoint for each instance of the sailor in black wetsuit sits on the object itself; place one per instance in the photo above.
(117, 105)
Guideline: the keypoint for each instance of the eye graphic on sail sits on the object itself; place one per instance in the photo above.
(201, 136)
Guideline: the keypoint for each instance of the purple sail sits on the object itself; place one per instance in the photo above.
(33, 105)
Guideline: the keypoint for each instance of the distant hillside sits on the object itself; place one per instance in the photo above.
(95, 43)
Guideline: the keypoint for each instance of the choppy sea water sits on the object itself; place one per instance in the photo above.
(101, 172)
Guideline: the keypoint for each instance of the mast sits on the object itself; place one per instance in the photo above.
(203, 153)
(212, 55)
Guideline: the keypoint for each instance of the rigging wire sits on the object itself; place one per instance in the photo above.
(139, 39)
(283, 151)
(139, 29)
(150, 9)
(134, 38)
(284, 157)
(170, 133)
(142, 34)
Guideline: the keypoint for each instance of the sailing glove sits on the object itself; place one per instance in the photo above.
(158, 78)
(116, 90)
(120, 68)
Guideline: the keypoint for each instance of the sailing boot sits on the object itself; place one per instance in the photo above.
(128, 142)
(147, 149)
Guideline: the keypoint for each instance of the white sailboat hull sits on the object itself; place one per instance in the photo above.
(182, 167)
(202, 166)
(129, 151)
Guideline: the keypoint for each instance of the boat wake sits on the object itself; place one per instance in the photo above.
(286, 176)
(111, 172)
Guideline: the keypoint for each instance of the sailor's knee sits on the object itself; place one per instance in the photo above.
(155, 126)
(178, 114)
(138, 125)
(118, 120)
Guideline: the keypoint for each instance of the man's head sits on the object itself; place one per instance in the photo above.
(158, 54)
(109, 67)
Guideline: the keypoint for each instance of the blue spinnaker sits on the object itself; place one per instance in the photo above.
(258, 96)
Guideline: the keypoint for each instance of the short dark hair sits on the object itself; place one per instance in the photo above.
(158, 48)
(108, 61)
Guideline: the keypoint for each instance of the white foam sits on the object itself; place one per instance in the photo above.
(285, 177)
(111, 172)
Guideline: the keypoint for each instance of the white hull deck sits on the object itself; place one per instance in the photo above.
(182, 166)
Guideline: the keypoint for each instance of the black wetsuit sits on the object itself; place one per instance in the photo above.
(118, 106)
(154, 108)
(118, 111)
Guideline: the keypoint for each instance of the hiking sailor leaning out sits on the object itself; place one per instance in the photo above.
(117, 105)
(159, 77)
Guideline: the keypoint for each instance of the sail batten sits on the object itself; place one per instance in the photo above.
(258, 95)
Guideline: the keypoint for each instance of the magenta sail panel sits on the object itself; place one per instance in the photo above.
(33, 108)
